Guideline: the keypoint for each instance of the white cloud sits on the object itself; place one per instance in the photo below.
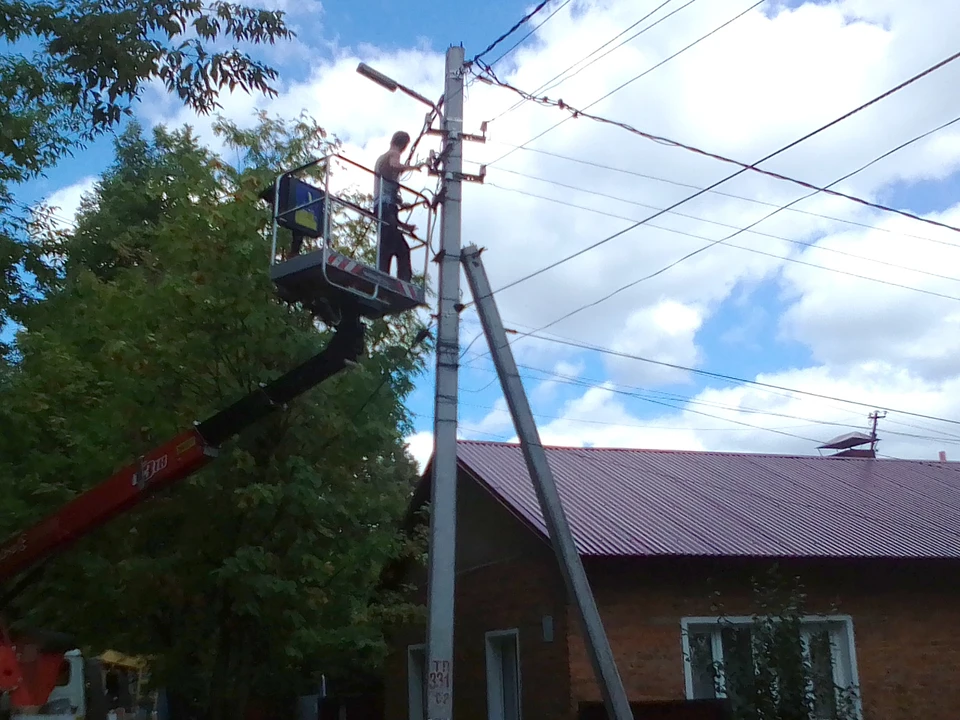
(760, 83)
(420, 446)
(666, 331)
(66, 201)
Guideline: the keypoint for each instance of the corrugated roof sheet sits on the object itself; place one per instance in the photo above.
(656, 502)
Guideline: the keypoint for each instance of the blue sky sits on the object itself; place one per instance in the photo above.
(727, 311)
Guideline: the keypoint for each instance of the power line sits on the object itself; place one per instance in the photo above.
(745, 167)
(635, 392)
(493, 78)
(593, 384)
(547, 85)
(756, 201)
(508, 33)
(755, 251)
(800, 243)
(433, 114)
(520, 42)
(734, 379)
(662, 393)
(614, 388)
(786, 393)
(738, 231)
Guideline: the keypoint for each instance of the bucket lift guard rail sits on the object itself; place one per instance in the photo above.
(307, 212)
(174, 460)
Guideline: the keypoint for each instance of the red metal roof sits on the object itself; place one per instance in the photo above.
(657, 502)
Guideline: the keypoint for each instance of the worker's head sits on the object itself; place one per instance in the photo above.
(400, 140)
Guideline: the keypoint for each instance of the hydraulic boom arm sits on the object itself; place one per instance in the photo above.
(176, 459)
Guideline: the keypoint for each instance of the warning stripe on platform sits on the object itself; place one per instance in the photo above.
(341, 262)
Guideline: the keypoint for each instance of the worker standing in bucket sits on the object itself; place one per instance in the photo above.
(386, 194)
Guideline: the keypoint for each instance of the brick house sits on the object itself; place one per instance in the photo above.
(664, 535)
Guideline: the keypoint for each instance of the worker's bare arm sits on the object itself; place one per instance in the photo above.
(395, 163)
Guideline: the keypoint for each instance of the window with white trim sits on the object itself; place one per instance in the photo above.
(723, 658)
(503, 675)
(416, 686)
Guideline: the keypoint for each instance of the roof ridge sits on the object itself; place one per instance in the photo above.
(669, 451)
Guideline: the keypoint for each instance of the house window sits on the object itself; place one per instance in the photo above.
(416, 687)
(722, 659)
(503, 675)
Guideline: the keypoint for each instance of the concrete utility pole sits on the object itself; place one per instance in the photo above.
(443, 506)
(443, 510)
(568, 557)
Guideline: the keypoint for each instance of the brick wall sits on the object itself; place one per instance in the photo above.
(506, 579)
(513, 594)
(906, 622)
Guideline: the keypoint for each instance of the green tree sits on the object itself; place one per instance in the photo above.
(769, 672)
(261, 570)
(71, 70)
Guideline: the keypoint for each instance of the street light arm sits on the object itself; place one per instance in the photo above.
(378, 77)
(392, 85)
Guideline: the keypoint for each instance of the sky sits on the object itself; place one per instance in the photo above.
(833, 306)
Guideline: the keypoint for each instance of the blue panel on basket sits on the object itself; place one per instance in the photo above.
(309, 218)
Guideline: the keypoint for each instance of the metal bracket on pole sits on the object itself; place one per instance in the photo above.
(571, 566)
(469, 137)
(479, 177)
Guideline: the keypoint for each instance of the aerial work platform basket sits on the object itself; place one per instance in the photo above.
(328, 281)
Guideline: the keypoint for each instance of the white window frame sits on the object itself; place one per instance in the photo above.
(416, 696)
(842, 625)
(494, 671)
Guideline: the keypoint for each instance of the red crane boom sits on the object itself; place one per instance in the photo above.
(162, 467)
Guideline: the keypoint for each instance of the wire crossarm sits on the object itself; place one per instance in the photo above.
(325, 279)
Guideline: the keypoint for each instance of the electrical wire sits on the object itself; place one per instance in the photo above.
(738, 231)
(755, 201)
(551, 376)
(744, 167)
(643, 394)
(520, 42)
(660, 393)
(549, 84)
(942, 435)
(428, 123)
(755, 251)
(508, 33)
(733, 378)
(493, 78)
(613, 388)
(809, 422)
(800, 243)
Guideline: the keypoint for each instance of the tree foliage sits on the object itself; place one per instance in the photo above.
(71, 69)
(261, 570)
(776, 669)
